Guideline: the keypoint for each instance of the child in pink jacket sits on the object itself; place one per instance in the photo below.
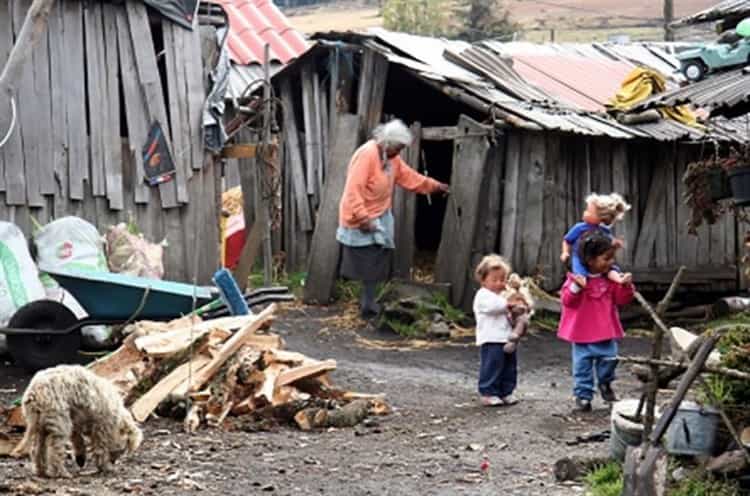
(590, 320)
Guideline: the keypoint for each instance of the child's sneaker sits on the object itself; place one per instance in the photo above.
(490, 401)
(509, 400)
(583, 405)
(607, 394)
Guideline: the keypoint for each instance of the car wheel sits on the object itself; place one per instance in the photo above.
(694, 70)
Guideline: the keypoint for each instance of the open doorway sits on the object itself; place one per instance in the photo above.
(412, 100)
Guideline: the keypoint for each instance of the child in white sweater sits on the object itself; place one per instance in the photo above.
(496, 337)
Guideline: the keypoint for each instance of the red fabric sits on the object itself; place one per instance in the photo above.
(235, 241)
(591, 315)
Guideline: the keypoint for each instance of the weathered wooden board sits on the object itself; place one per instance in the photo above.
(150, 83)
(28, 109)
(645, 246)
(178, 105)
(43, 125)
(135, 108)
(530, 226)
(293, 152)
(96, 67)
(553, 219)
(621, 184)
(462, 210)
(75, 98)
(323, 259)
(196, 95)
(320, 134)
(372, 80)
(11, 155)
(405, 214)
(113, 175)
(511, 208)
(313, 155)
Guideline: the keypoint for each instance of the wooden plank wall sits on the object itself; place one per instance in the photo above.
(67, 154)
(547, 178)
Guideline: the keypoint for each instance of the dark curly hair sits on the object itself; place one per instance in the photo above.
(593, 243)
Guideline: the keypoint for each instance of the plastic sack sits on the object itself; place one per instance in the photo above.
(131, 254)
(70, 243)
(19, 278)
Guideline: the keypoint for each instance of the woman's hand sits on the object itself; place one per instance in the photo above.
(367, 226)
(443, 188)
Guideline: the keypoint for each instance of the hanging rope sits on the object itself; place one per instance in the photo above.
(12, 122)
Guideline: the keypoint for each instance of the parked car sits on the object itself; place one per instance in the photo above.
(697, 62)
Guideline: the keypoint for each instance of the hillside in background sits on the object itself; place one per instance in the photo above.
(571, 20)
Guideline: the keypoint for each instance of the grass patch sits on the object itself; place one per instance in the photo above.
(546, 322)
(451, 313)
(704, 486)
(295, 281)
(413, 330)
(605, 480)
(347, 290)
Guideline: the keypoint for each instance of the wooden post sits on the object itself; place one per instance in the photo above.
(33, 27)
(265, 204)
(668, 18)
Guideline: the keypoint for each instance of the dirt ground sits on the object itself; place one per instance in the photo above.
(432, 444)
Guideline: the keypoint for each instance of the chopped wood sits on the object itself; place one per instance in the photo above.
(124, 367)
(286, 394)
(311, 370)
(8, 443)
(266, 391)
(264, 341)
(736, 374)
(15, 418)
(310, 418)
(231, 346)
(728, 462)
(193, 418)
(167, 342)
(147, 403)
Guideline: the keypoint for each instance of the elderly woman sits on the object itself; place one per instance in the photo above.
(365, 219)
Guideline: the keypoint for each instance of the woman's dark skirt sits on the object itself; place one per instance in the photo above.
(366, 263)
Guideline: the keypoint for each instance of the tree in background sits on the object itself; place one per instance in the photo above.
(473, 20)
(423, 17)
(483, 19)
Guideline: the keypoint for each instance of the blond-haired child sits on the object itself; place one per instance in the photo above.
(602, 211)
(498, 374)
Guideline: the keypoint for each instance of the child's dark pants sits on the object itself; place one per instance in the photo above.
(498, 373)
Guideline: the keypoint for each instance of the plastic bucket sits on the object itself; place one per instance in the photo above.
(739, 180)
(624, 431)
(693, 430)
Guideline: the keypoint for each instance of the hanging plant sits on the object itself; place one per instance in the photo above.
(703, 192)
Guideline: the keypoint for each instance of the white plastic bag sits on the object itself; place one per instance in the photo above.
(131, 254)
(19, 278)
(70, 243)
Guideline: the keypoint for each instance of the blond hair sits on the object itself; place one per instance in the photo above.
(612, 206)
(490, 263)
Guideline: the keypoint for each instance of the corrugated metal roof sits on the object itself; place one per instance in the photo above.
(241, 76)
(717, 93)
(728, 8)
(252, 24)
(555, 87)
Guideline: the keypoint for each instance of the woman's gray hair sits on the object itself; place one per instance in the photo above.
(392, 134)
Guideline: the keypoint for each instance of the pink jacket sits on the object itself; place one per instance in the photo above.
(590, 315)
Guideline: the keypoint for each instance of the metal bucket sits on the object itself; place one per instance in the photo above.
(693, 430)
(624, 431)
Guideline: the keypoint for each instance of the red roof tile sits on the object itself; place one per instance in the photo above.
(252, 24)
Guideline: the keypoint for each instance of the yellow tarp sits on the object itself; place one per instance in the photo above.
(642, 84)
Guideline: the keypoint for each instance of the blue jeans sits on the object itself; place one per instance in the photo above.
(588, 357)
(498, 371)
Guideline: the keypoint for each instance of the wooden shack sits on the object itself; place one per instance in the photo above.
(519, 172)
(102, 74)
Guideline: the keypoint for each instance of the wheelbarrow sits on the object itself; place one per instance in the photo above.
(45, 333)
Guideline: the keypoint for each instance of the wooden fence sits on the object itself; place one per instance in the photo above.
(85, 104)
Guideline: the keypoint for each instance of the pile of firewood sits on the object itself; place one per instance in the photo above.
(205, 371)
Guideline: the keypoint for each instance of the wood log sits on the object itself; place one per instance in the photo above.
(193, 418)
(730, 305)
(266, 391)
(310, 370)
(15, 418)
(231, 346)
(728, 462)
(8, 442)
(348, 415)
(576, 467)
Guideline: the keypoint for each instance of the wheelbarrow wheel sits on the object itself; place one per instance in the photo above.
(40, 351)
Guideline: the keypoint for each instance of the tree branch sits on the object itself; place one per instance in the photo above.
(32, 30)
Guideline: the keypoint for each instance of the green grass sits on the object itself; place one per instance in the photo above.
(347, 290)
(451, 313)
(295, 281)
(545, 322)
(605, 480)
(703, 486)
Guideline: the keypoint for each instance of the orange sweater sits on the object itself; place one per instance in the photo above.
(369, 190)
